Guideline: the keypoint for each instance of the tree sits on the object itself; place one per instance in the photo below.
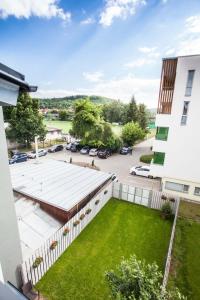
(132, 132)
(112, 112)
(142, 116)
(26, 122)
(131, 112)
(63, 115)
(136, 280)
(7, 110)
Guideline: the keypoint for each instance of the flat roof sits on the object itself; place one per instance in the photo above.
(57, 183)
(35, 225)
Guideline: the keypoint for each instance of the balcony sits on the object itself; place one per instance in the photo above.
(162, 133)
(167, 83)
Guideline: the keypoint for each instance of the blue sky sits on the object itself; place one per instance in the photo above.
(111, 48)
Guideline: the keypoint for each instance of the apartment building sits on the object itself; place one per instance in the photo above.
(177, 142)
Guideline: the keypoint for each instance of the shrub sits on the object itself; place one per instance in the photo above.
(97, 202)
(166, 211)
(37, 262)
(146, 158)
(76, 223)
(135, 279)
(88, 211)
(53, 245)
(66, 231)
(82, 216)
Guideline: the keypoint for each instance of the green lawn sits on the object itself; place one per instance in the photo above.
(64, 125)
(185, 270)
(119, 230)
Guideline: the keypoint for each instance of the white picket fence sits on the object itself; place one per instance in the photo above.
(148, 198)
(29, 273)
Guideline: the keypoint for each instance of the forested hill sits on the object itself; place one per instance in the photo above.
(67, 101)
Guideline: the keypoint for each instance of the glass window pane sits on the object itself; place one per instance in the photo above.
(189, 84)
(176, 187)
(197, 191)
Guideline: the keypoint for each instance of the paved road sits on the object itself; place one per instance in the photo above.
(118, 164)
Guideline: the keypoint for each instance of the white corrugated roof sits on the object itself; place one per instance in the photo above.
(55, 182)
(35, 225)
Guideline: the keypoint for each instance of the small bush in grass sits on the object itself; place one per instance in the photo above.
(76, 223)
(37, 262)
(88, 211)
(82, 216)
(166, 211)
(66, 231)
(53, 245)
(146, 158)
(97, 202)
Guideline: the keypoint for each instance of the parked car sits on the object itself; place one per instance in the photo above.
(75, 147)
(93, 152)
(41, 152)
(126, 150)
(104, 153)
(55, 148)
(141, 171)
(85, 150)
(17, 158)
(68, 146)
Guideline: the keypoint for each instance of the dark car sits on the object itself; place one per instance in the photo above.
(125, 150)
(17, 158)
(75, 147)
(55, 148)
(104, 153)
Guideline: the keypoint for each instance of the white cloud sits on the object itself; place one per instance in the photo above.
(147, 49)
(93, 76)
(144, 89)
(119, 9)
(88, 21)
(170, 51)
(28, 8)
(139, 63)
(193, 24)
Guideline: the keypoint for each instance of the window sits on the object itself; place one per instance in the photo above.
(185, 112)
(183, 188)
(197, 191)
(188, 90)
(162, 133)
(159, 158)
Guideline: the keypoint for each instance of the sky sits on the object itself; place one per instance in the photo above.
(111, 48)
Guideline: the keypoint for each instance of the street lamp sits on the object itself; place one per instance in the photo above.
(11, 83)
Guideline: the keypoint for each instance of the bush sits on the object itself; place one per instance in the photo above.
(146, 158)
(37, 262)
(166, 211)
(88, 211)
(137, 280)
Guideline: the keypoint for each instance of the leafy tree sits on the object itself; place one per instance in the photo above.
(136, 280)
(132, 132)
(142, 116)
(7, 110)
(113, 112)
(63, 115)
(25, 121)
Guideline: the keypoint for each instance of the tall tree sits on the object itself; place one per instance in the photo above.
(130, 112)
(142, 116)
(25, 121)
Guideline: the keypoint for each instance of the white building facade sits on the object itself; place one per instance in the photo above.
(177, 144)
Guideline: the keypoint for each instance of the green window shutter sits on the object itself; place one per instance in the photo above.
(159, 158)
(162, 133)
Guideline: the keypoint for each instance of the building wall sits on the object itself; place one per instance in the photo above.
(182, 148)
(10, 249)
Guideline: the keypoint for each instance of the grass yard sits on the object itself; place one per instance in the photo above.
(64, 125)
(185, 271)
(119, 230)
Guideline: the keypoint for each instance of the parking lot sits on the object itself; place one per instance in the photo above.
(118, 164)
